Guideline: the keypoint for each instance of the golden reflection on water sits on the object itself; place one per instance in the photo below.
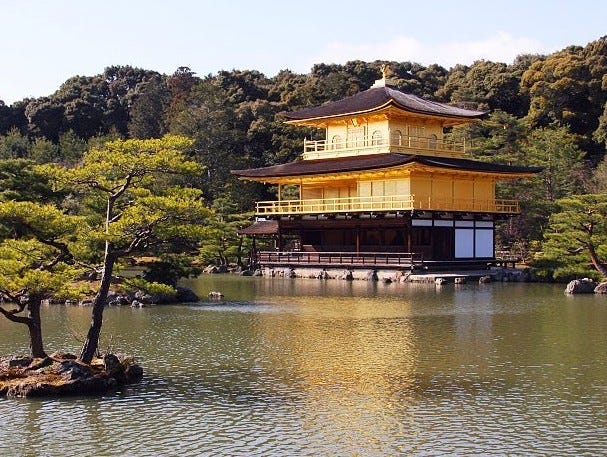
(355, 355)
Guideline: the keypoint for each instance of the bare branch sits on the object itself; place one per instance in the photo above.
(64, 254)
(94, 184)
(142, 237)
(15, 298)
(575, 251)
(11, 315)
(123, 187)
(116, 218)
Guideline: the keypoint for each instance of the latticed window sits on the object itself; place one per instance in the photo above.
(336, 142)
(397, 138)
(376, 138)
(432, 141)
(416, 131)
(356, 136)
(416, 137)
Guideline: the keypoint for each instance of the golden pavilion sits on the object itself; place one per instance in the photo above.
(384, 188)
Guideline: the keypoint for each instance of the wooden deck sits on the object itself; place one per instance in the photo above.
(390, 260)
(340, 259)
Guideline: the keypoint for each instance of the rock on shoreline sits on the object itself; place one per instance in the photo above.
(580, 286)
(138, 299)
(586, 286)
(63, 375)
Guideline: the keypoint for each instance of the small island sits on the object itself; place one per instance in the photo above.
(63, 375)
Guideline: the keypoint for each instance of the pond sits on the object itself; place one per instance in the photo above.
(310, 367)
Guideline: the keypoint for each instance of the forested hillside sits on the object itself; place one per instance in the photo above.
(546, 110)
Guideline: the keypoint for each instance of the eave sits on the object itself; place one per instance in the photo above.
(321, 120)
(391, 172)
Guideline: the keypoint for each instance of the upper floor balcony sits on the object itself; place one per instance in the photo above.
(375, 144)
(388, 203)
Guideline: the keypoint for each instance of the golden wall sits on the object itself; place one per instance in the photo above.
(425, 187)
(368, 131)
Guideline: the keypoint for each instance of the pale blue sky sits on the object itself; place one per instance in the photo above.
(44, 42)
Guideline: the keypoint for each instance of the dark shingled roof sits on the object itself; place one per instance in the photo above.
(260, 228)
(374, 162)
(378, 97)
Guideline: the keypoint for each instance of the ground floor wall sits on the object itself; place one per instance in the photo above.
(435, 238)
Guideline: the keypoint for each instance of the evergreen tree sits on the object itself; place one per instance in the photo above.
(35, 263)
(575, 241)
(134, 207)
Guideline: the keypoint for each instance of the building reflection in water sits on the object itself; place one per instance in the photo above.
(354, 358)
(473, 315)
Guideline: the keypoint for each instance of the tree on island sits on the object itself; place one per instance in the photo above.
(576, 236)
(35, 263)
(134, 204)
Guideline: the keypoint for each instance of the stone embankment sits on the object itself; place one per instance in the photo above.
(499, 274)
(62, 375)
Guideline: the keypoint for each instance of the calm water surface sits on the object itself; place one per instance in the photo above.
(308, 367)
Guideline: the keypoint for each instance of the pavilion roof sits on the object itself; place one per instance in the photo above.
(377, 98)
(375, 162)
(269, 227)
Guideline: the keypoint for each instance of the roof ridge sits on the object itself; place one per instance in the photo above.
(376, 98)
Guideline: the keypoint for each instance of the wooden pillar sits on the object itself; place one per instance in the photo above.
(357, 239)
(280, 237)
(253, 259)
(409, 242)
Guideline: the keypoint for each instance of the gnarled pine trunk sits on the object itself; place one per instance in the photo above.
(91, 344)
(35, 327)
(596, 261)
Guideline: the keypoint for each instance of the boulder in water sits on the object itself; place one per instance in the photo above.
(215, 295)
(601, 288)
(581, 286)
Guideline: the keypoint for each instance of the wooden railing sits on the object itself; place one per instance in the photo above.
(319, 149)
(361, 259)
(384, 203)
(506, 258)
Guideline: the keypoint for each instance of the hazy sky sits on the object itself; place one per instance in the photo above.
(44, 42)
